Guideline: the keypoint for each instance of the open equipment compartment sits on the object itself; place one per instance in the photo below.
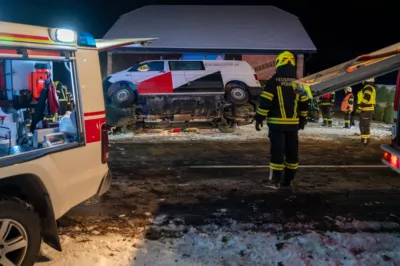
(37, 100)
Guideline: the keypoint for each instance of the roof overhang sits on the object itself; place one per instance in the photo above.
(205, 50)
(108, 44)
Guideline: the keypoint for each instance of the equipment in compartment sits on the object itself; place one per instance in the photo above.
(39, 135)
(37, 79)
(55, 139)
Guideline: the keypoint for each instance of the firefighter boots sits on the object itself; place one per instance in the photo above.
(275, 177)
(365, 142)
(288, 177)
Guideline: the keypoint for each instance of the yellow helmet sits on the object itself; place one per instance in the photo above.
(284, 58)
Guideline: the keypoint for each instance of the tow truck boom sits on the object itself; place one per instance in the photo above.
(352, 72)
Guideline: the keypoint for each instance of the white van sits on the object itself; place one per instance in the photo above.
(53, 148)
(223, 93)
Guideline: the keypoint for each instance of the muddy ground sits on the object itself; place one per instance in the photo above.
(153, 179)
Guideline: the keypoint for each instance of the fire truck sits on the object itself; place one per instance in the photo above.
(355, 71)
(51, 158)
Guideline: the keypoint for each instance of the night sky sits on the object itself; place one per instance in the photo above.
(341, 30)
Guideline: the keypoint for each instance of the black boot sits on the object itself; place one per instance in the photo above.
(365, 142)
(346, 125)
(330, 123)
(325, 123)
(275, 178)
(288, 177)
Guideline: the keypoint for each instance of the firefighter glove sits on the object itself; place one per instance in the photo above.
(302, 122)
(259, 121)
(358, 110)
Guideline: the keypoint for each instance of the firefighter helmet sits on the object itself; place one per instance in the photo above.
(348, 89)
(284, 58)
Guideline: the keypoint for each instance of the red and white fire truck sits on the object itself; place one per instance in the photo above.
(53, 148)
(355, 71)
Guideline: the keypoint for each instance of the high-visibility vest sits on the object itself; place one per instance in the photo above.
(345, 104)
(360, 97)
(373, 95)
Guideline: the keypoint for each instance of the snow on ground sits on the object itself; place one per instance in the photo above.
(312, 131)
(235, 245)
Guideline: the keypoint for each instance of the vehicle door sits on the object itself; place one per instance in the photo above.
(151, 77)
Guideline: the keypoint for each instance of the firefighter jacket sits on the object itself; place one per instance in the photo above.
(347, 103)
(327, 99)
(366, 98)
(282, 105)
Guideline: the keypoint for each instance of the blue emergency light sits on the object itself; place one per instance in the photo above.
(85, 39)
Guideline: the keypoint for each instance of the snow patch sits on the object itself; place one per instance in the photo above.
(235, 244)
(312, 131)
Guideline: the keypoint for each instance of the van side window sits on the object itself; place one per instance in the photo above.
(149, 66)
(186, 65)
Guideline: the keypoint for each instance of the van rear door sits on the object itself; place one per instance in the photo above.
(353, 72)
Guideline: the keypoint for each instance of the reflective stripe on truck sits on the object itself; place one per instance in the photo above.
(93, 123)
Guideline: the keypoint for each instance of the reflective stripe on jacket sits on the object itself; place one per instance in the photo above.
(282, 104)
(367, 100)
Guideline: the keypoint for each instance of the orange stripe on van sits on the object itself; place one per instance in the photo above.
(44, 53)
(8, 51)
(5, 36)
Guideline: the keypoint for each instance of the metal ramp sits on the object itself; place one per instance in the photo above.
(352, 72)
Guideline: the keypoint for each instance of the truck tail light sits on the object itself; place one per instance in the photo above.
(396, 110)
(392, 159)
(255, 76)
(104, 144)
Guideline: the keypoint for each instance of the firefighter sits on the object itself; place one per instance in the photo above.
(62, 94)
(285, 110)
(347, 106)
(366, 100)
(326, 102)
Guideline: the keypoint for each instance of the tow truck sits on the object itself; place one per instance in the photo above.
(355, 71)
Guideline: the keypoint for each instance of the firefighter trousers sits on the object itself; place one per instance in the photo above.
(347, 119)
(284, 154)
(352, 115)
(327, 114)
(365, 125)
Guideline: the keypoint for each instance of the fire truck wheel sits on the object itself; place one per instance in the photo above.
(122, 94)
(20, 234)
(237, 94)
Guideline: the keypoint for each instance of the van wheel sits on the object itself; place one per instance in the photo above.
(20, 236)
(122, 94)
(237, 94)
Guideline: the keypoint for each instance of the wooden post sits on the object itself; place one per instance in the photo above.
(300, 66)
